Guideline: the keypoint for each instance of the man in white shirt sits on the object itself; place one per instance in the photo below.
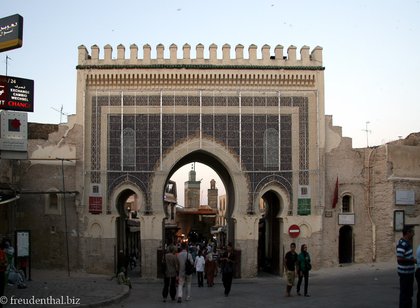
(199, 268)
(182, 277)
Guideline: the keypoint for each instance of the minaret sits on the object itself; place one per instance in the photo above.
(212, 195)
(192, 190)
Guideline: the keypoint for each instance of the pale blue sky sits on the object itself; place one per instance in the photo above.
(370, 48)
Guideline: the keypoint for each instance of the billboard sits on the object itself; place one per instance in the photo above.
(13, 131)
(11, 32)
(16, 94)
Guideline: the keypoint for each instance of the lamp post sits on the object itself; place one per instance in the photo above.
(65, 214)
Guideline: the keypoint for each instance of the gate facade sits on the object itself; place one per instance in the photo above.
(255, 120)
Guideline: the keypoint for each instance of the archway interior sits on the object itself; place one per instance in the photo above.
(197, 227)
(269, 234)
(345, 245)
(128, 232)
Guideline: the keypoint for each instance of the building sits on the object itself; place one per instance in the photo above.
(259, 122)
(196, 220)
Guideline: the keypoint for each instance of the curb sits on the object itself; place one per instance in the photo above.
(109, 301)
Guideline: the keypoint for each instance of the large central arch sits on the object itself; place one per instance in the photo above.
(215, 156)
(223, 162)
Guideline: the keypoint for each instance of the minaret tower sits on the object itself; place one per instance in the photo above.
(192, 190)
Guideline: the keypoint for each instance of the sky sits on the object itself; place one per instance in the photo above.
(370, 49)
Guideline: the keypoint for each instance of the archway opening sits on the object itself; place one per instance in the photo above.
(205, 199)
(269, 234)
(128, 232)
(345, 245)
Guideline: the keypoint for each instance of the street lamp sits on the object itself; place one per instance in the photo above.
(65, 214)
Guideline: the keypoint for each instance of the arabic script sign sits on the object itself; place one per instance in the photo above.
(11, 32)
(16, 93)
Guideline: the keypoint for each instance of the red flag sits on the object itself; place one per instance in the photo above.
(335, 197)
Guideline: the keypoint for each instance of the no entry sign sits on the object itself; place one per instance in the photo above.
(294, 231)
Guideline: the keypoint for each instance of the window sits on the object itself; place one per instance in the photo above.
(271, 148)
(53, 202)
(129, 148)
(95, 189)
(346, 204)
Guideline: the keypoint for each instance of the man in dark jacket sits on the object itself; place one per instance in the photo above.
(290, 262)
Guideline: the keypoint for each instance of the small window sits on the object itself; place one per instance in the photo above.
(53, 203)
(346, 204)
(95, 189)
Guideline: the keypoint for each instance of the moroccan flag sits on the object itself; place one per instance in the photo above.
(335, 197)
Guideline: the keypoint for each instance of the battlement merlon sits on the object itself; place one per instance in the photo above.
(309, 60)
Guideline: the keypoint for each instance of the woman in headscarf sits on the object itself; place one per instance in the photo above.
(304, 266)
(210, 268)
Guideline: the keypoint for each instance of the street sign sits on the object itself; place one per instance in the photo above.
(294, 231)
(16, 93)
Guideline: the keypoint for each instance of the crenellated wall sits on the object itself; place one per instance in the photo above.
(277, 58)
(272, 70)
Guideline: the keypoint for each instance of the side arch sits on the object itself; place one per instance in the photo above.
(127, 187)
(282, 193)
(273, 201)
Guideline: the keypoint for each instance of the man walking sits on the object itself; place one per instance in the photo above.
(406, 267)
(183, 277)
(290, 262)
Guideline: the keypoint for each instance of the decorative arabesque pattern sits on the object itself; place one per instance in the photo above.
(143, 126)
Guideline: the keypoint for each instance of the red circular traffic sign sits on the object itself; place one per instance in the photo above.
(294, 231)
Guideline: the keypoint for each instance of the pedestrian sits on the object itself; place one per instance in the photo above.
(227, 265)
(290, 262)
(3, 267)
(170, 272)
(210, 269)
(184, 277)
(23, 265)
(199, 263)
(122, 278)
(122, 261)
(304, 266)
(417, 275)
(406, 267)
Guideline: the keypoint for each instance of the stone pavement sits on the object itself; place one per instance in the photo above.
(56, 289)
(362, 285)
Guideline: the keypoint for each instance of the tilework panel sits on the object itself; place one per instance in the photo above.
(223, 128)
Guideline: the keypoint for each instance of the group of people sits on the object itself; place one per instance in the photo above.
(8, 272)
(178, 267)
(407, 268)
(297, 265)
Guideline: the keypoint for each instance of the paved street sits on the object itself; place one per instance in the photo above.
(357, 285)
(372, 285)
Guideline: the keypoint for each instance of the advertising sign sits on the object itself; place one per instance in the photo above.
(346, 219)
(22, 243)
(405, 197)
(11, 32)
(13, 131)
(95, 205)
(16, 94)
